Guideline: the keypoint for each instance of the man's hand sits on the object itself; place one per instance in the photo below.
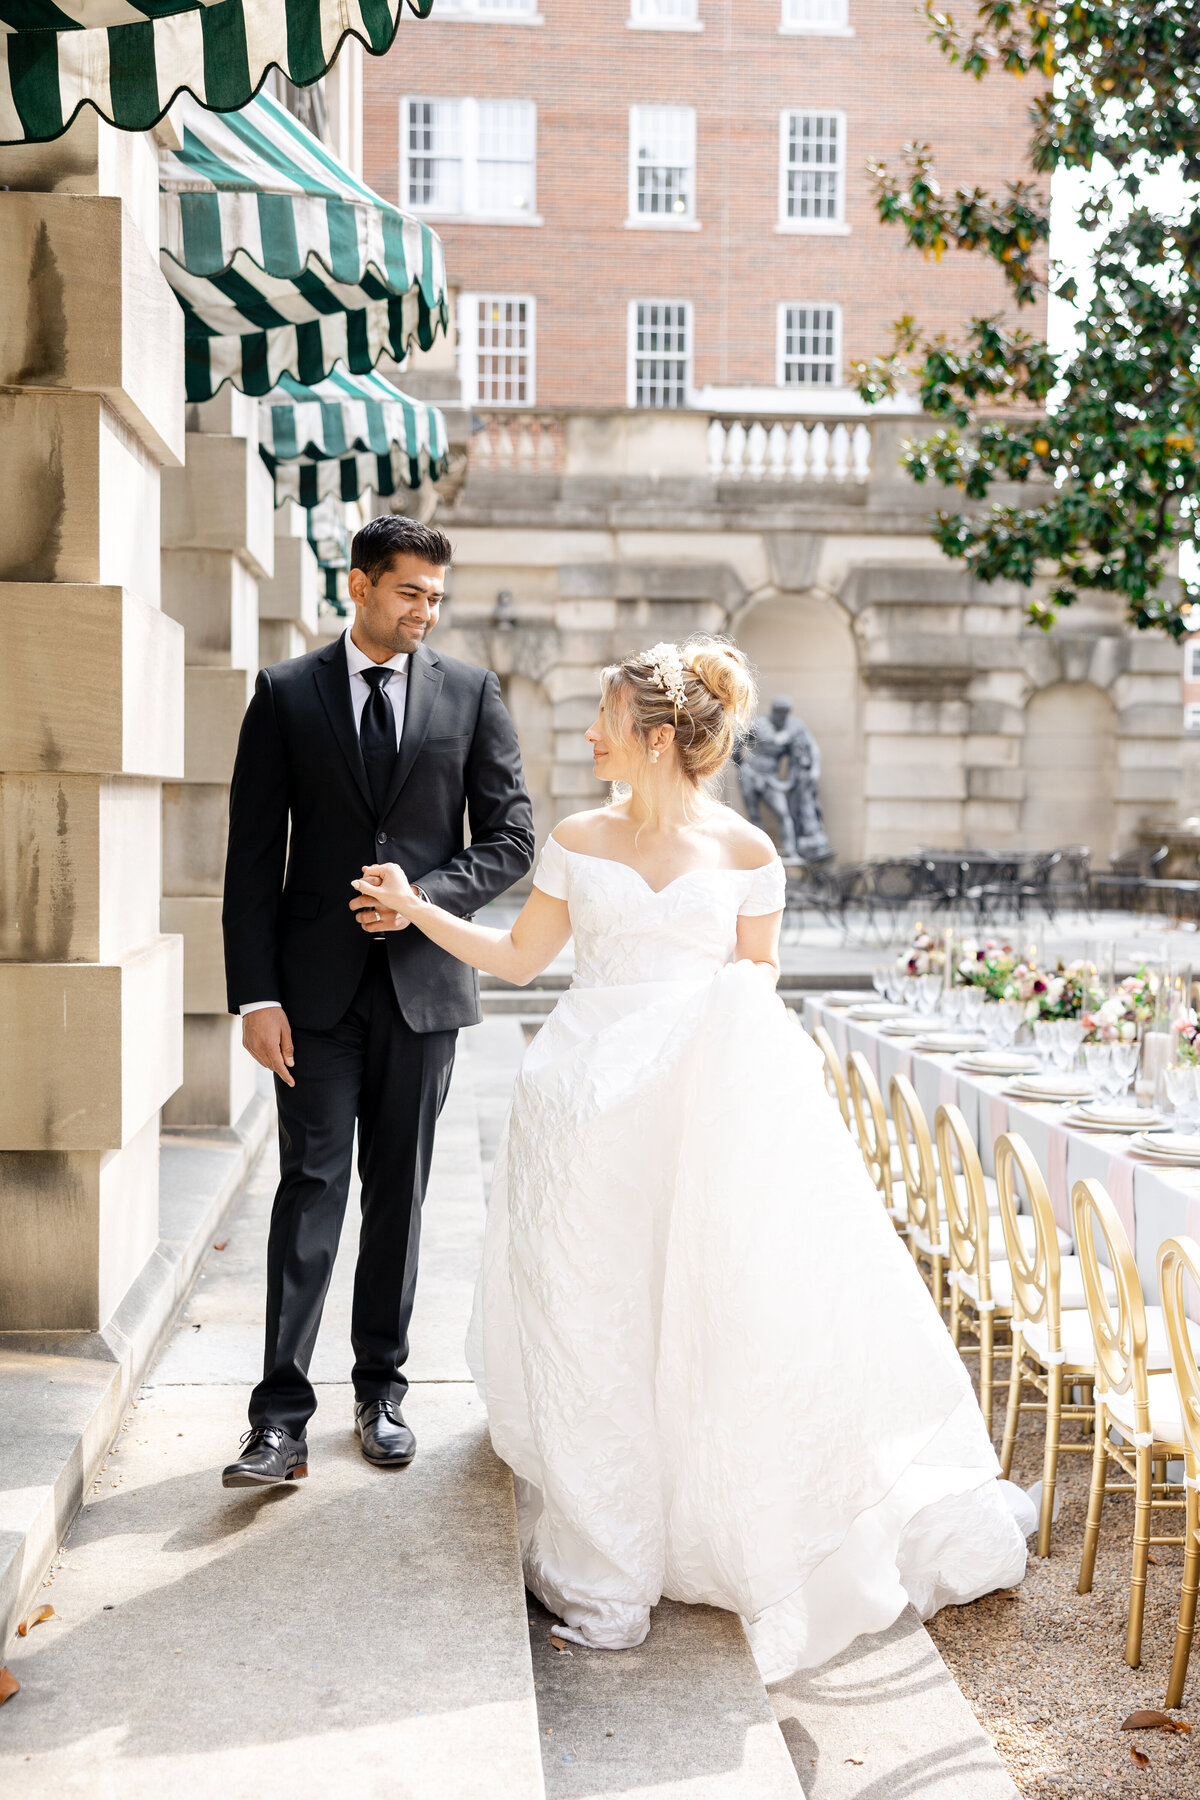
(386, 894)
(267, 1035)
(373, 917)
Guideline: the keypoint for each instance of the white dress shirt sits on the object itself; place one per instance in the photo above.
(397, 692)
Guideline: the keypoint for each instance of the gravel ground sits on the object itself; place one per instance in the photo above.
(1044, 1667)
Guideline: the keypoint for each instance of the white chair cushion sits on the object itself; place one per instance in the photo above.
(1071, 1297)
(1165, 1420)
(1075, 1338)
(1158, 1351)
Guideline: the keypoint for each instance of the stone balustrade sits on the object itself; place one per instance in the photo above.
(788, 450)
(742, 447)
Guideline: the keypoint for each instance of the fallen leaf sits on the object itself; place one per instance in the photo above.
(1139, 1757)
(856, 1760)
(557, 1643)
(1148, 1721)
(36, 1618)
(9, 1685)
(223, 1245)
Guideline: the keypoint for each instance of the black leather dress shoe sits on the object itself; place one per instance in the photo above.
(268, 1454)
(386, 1440)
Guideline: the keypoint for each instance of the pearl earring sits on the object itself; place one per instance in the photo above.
(654, 756)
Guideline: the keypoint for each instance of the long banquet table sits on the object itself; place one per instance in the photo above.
(1153, 1202)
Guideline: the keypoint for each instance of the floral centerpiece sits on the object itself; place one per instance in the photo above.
(1187, 1040)
(1118, 1017)
(925, 955)
(991, 966)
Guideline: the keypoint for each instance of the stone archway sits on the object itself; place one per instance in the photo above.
(1069, 761)
(803, 645)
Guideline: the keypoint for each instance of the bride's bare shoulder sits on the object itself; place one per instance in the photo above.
(585, 832)
(744, 844)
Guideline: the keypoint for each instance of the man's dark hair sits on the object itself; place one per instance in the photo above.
(381, 540)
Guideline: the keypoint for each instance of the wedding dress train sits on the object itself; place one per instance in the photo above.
(711, 1365)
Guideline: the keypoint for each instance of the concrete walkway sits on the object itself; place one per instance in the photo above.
(367, 1634)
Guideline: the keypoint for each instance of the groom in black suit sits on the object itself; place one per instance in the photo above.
(371, 750)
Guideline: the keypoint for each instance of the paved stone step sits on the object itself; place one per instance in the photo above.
(886, 1718)
(684, 1717)
(361, 1632)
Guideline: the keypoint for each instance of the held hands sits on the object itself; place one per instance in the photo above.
(388, 899)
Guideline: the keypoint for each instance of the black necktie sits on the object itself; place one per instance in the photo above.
(377, 734)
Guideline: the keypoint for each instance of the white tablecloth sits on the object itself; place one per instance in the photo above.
(1152, 1203)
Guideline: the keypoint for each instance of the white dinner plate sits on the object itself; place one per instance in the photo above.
(908, 1028)
(885, 1010)
(1053, 1087)
(947, 1040)
(1083, 1120)
(997, 1062)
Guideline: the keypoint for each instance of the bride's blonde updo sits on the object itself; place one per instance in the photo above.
(703, 688)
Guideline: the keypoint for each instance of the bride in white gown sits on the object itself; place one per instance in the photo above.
(712, 1367)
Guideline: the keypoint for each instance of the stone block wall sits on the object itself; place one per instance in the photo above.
(91, 723)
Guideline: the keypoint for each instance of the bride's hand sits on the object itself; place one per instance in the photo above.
(386, 889)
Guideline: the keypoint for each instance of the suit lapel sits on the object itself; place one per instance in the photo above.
(424, 685)
(332, 676)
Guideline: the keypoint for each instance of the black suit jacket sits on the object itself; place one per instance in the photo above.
(302, 823)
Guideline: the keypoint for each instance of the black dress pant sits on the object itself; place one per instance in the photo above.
(373, 1070)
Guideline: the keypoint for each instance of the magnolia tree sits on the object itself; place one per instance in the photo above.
(1104, 434)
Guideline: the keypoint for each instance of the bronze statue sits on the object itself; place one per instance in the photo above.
(779, 766)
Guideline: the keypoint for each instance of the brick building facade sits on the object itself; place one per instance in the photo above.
(588, 79)
(665, 204)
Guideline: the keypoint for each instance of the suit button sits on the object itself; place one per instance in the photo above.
(382, 838)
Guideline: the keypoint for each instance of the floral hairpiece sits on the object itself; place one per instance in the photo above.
(667, 672)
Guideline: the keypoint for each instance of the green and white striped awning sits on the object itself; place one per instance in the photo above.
(331, 546)
(130, 58)
(284, 262)
(347, 436)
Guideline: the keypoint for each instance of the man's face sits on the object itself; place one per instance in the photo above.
(779, 712)
(397, 613)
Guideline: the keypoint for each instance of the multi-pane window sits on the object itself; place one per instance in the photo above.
(663, 13)
(660, 353)
(812, 168)
(815, 15)
(474, 158)
(810, 351)
(662, 164)
(496, 345)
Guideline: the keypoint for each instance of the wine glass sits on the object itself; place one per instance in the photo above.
(879, 979)
(1098, 1061)
(1181, 1091)
(1011, 1017)
(929, 990)
(1071, 1033)
(1125, 1062)
(1045, 1035)
(970, 1007)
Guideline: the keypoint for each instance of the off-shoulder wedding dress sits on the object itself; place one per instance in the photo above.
(706, 1356)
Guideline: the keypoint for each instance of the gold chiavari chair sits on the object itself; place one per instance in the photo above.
(1051, 1338)
(835, 1074)
(1179, 1260)
(974, 1306)
(926, 1235)
(1140, 1405)
(870, 1126)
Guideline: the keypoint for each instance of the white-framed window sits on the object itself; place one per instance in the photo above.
(497, 346)
(520, 12)
(660, 353)
(469, 158)
(812, 171)
(662, 166)
(832, 16)
(1191, 716)
(664, 15)
(808, 345)
(1191, 662)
